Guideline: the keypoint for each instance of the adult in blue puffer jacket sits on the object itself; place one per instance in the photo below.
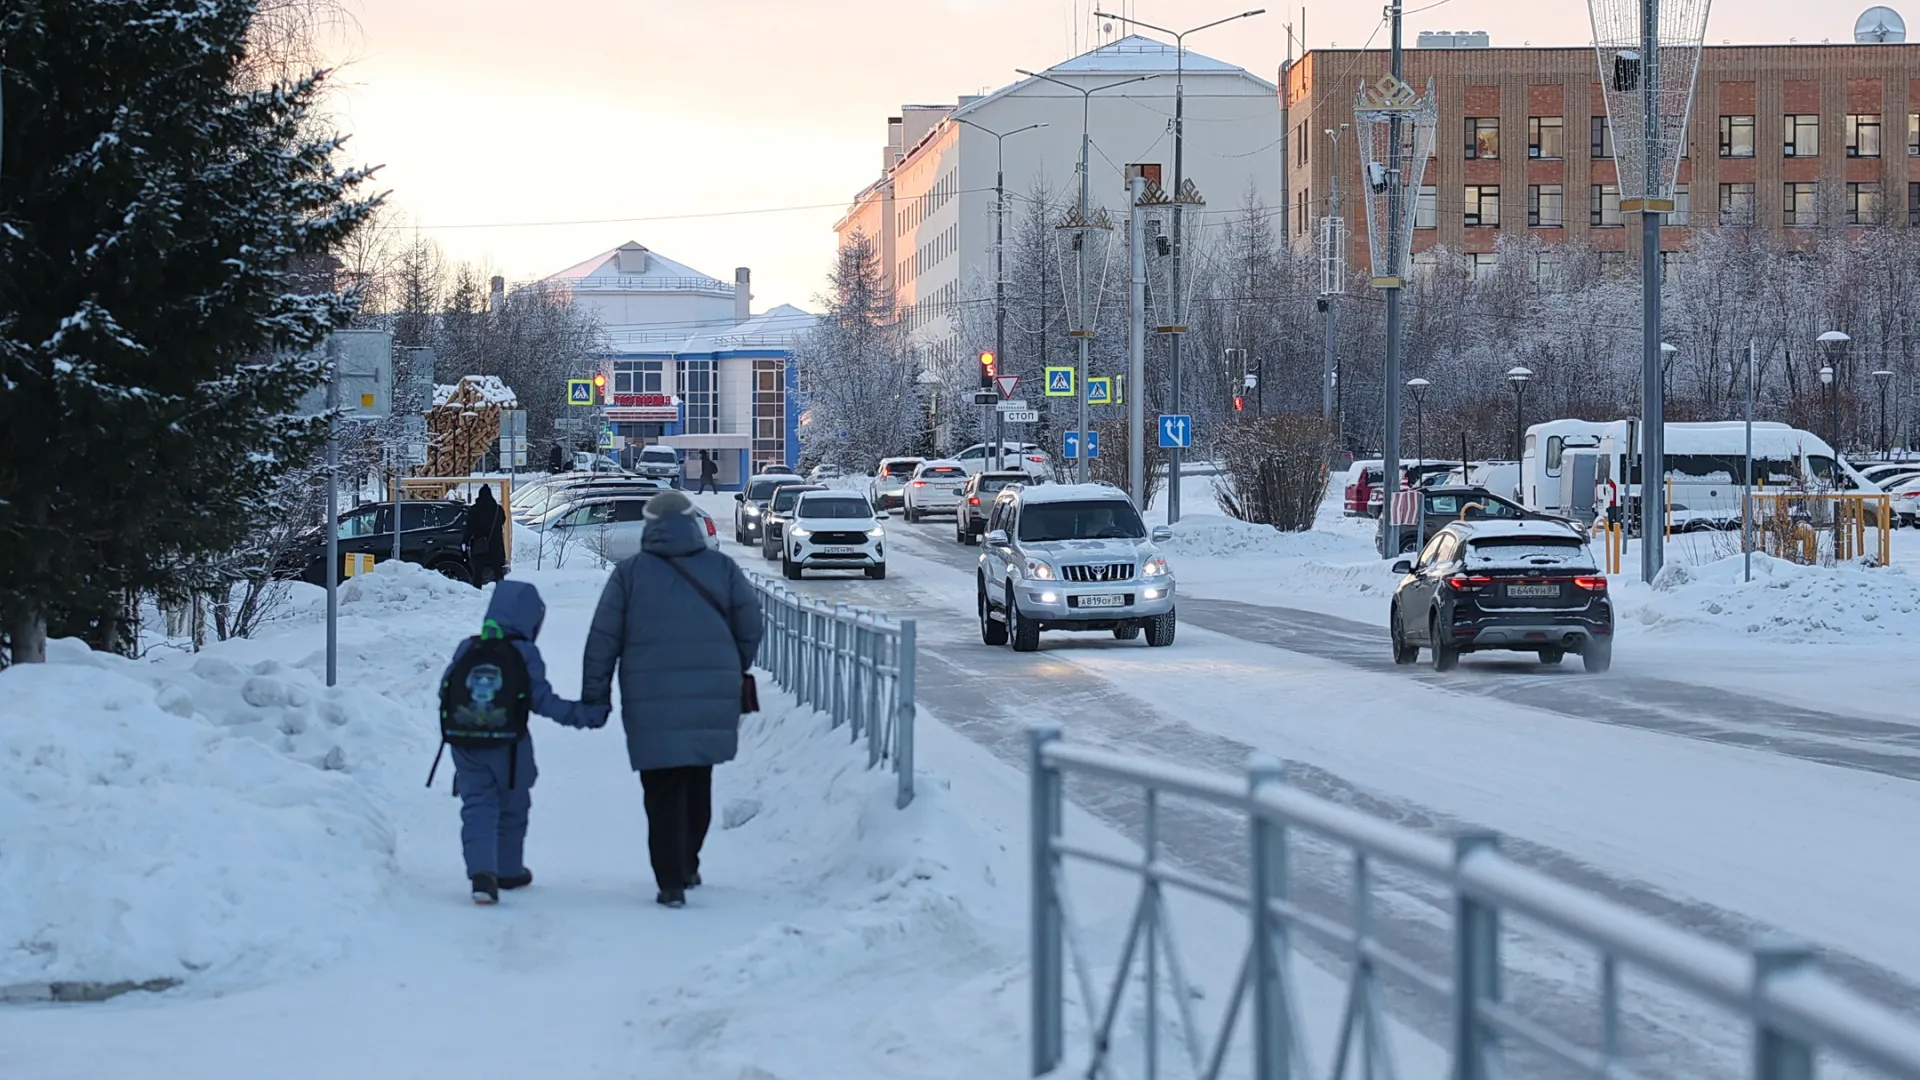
(682, 624)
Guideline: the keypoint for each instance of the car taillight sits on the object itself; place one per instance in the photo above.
(710, 529)
(1037, 460)
(919, 483)
(1591, 584)
(1468, 583)
(974, 501)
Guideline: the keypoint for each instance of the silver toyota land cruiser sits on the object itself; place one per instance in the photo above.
(1072, 557)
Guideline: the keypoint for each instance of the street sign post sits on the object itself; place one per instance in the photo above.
(1059, 382)
(1020, 416)
(580, 392)
(1100, 390)
(1176, 431)
(1006, 383)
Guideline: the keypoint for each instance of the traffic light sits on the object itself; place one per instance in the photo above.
(600, 386)
(1239, 403)
(986, 370)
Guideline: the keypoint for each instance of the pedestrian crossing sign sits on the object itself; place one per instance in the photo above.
(1100, 390)
(580, 391)
(1059, 382)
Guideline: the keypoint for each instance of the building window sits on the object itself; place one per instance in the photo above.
(1803, 135)
(1482, 205)
(1484, 264)
(1549, 266)
(1797, 201)
(1913, 134)
(1546, 206)
(637, 376)
(1426, 209)
(1602, 138)
(1863, 203)
(1736, 204)
(1863, 135)
(1603, 204)
(769, 412)
(1682, 207)
(1546, 137)
(696, 392)
(1483, 137)
(1736, 136)
(1913, 204)
(1613, 263)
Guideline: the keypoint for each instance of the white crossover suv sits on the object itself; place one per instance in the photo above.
(834, 530)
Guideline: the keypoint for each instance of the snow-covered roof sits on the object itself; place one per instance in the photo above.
(492, 391)
(1055, 493)
(1542, 527)
(1136, 55)
(656, 268)
(779, 326)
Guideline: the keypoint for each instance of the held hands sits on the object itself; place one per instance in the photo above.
(596, 715)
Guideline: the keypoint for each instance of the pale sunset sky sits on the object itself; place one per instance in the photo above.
(488, 114)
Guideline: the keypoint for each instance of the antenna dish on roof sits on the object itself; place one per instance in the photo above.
(1879, 26)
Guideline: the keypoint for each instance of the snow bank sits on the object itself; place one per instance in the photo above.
(207, 823)
(1784, 602)
(1208, 535)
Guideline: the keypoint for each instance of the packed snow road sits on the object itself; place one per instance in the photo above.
(1582, 775)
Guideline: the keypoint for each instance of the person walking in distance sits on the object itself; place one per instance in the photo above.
(682, 625)
(486, 538)
(709, 472)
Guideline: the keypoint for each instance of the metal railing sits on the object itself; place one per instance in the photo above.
(854, 664)
(1795, 1010)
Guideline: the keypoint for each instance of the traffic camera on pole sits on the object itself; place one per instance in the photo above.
(987, 370)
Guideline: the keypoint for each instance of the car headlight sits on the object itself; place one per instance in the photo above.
(798, 531)
(876, 531)
(1155, 567)
(1039, 571)
(753, 511)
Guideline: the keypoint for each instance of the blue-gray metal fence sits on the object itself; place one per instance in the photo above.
(1795, 1010)
(852, 663)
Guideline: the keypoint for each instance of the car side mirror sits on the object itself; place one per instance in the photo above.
(1161, 534)
(1404, 566)
(997, 538)
(739, 496)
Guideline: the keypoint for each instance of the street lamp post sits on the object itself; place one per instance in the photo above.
(1836, 343)
(1883, 377)
(1518, 378)
(1080, 303)
(999, 268)
(1667, 353)
(1418, 388)
(1179, 135)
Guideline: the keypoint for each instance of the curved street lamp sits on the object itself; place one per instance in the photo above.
(1836, 343)
(1518, 378)
(1884, 377)
(1418, 388)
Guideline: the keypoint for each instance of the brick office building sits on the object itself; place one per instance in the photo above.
(1781, 137)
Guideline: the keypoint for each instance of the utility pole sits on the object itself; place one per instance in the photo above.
(333, 507)
(1137, 342)
(1653, 425)
(1331, 286)
(1390, 447)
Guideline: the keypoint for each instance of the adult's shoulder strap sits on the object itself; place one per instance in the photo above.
(705, 594)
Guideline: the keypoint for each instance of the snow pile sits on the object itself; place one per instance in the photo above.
(488, 388)
(400, 585)
(1208, 535)
(205, 824)
(1784, 601)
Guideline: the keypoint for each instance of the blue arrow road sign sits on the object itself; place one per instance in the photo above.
(1070, 445)
(1176, 432)
(1093, 444)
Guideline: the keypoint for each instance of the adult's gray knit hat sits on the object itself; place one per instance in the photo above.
(667, 504)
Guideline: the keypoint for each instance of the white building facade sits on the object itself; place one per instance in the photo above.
(688, 365)
(933, 207)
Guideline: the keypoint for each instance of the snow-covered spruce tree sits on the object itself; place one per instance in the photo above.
(860, 398)
(163, 240)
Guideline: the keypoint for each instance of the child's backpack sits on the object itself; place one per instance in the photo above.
(484, 700)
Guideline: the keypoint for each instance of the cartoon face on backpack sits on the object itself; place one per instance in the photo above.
(483, 684)
(484, 698)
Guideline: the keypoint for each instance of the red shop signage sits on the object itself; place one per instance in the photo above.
(644, 400)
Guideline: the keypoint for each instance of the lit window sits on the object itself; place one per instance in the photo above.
(1482, 205)
(1483, 137)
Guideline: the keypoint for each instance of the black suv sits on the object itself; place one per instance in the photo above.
(1518, 586)
(778, 510)
(750, 504)
(431, 535)
(1446, 505)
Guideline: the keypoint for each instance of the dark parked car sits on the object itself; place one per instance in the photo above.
(1447, 504)
(431, 535)
(1517, 586)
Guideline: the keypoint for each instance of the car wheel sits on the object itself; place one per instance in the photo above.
(991, 633)
(1126, 633)
(1445, 657)
(1597, 656)
(1551, 657)
(1024, 633)
(454, 569)
(1404, 651)
(1409, 545)
(790, 568)
(877, 573)
(1160, 630)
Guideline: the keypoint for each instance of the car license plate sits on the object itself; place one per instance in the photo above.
(1103, 601)
(837, 550)
(1532, 592)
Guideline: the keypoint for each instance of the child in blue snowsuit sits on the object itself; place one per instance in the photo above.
(495, 789)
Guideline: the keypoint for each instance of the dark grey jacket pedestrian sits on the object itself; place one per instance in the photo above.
(681, 624)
